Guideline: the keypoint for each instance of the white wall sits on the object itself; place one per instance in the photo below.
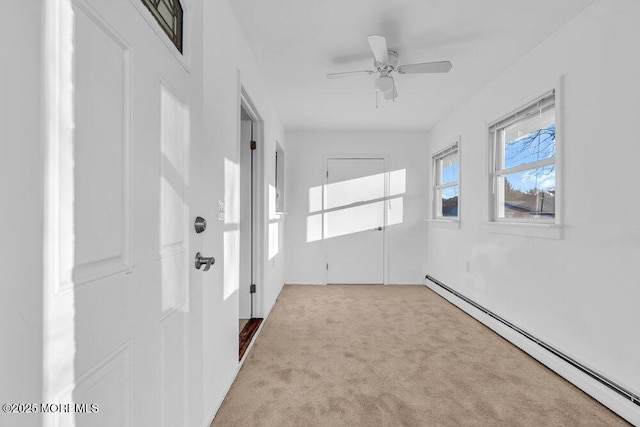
(580, 292)
(305, 168)
(21, 208)
(228, 64)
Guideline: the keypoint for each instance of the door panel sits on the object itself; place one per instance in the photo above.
(354, 210)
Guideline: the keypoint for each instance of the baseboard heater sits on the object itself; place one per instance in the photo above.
(634, 398)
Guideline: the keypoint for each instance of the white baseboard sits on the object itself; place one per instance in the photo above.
(612, 400)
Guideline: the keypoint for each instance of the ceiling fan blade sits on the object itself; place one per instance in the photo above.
(391, 94)
(426, 67)
(349, 74)
(379, 47)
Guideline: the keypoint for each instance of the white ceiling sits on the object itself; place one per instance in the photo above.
(296, 42)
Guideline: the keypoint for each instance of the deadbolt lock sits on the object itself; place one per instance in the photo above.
(200, 224)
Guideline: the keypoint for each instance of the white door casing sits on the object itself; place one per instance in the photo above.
(354, 220)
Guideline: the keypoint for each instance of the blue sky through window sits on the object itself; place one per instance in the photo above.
(542, 178)
(449, 170)
(537, 145)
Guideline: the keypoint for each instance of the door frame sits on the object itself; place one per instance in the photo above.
(385, 237)
(259, 199)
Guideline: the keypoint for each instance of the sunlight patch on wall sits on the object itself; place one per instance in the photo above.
(231, 267)
(274, 228)
(314, 228)
(395, 214)
(397, 182)
(231, 192)
(272, 203)
(231, 270)
(274, 244)
(355, 205)
(315, 199)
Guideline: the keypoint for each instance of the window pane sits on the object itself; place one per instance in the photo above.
(532, 139)
(166, 13)
(528, 194)
(449, 168)
(448, 199)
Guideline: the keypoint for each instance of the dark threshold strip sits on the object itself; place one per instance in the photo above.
(593, 374)
(247, 333)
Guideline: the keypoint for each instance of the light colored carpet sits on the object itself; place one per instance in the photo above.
(391, 356)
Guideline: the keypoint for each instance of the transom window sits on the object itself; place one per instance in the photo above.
(446, 167)
(168, 13)
(524, 163)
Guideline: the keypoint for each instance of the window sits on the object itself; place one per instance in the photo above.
(524, 163)
(168, 13)
(446, 165)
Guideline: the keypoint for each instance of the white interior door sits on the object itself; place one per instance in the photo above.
(118, 157)
(354, 207)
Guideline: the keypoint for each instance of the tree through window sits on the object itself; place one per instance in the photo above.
(524, 158)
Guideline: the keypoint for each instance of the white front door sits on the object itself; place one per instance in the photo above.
(118, 228)
(354, 220)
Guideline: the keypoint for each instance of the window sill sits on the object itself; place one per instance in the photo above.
(543, 231)
(444, 223)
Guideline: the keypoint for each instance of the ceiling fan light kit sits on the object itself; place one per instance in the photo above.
(385, 62)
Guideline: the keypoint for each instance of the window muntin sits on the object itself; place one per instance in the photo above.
(169, 15)
(446, 165)
(524, 170)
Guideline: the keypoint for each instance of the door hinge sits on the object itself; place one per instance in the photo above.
(327, 174)
(252, 289)
(252, 145)
(327, 266)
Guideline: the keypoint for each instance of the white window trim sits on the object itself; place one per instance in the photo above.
(494, 173)
(448, 221)
(550, 229)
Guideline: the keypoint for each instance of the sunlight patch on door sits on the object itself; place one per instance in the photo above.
(355, 190)
(59, 246)
(174, 154)
(353, 220)
(355, 205)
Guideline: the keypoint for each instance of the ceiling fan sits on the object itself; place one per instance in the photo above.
(385, 62)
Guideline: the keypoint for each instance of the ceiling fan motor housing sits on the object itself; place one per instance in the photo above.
(387, 66)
